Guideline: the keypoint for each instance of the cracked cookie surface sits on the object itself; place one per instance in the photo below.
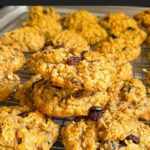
(85, 24)
(66, 70)
(56, 101)
(42, 11)
(132, 99)
(44, 24)
(72, 40)
(117, 23)
(143, 18)
(24, 129)
(112, 131)
(24, 39)
(59, 102)
(119, 50)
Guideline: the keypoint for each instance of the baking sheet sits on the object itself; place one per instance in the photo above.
(12, 16)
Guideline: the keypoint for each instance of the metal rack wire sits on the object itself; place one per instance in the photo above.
(21, 14)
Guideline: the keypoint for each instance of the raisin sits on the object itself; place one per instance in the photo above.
(58, 46)
(144, 121)
(130, 28)
(23, 114)
(122, 144)
(147, 12)
(45, 11)
(96, 113)
(19, 140)
(124, 49)
(73, 60)
(113, 36)
(58, 87)
(106, 18)
(133, 138)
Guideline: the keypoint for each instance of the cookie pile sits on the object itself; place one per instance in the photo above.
(81, 68)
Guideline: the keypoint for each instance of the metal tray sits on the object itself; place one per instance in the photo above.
(12, 16)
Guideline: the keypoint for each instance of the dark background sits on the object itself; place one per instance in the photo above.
(145, 3)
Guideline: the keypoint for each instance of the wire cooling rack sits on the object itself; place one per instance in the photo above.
(12, 16)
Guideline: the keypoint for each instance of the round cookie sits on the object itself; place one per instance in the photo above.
(24, 39)
(64, 69)
(109, 131)
(132, 99)
(119, 50)
(9, 82)
(40, 11)
(59, 102)
(45, 24)
(140, 110)
(75, 19)
(24, 93)
(10, 58)
(72, 40)
(23, 129)
(125, 74)
(116, 23)
(133, 90)
(85, 24)
(134, 36)
(92, 33)
(143, 18)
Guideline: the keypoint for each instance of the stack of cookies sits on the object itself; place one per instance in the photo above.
(81, 69)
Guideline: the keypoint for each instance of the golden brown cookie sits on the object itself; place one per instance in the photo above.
(24, 129)
(139, 110)
(73, 20)
(143, 18)
(106, 131)
(58, 102)
(24, 94)
(133, 90)
(9, 82)
(85, 24)
(45, 24)
(119, 50)
(72, 40)
(134, 36)
(124, 75)
(64, 69)
(40, 11)
(132, 99)
(24, 39)
(92, 33)
(116, 23)
(10, 58)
